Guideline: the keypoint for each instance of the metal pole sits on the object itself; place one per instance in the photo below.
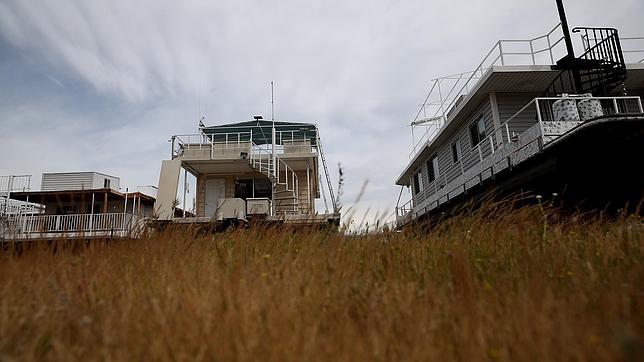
(308, 185)
(91, 215)
(185, 183)
(273, 182)
(571, 52)
(125, 207)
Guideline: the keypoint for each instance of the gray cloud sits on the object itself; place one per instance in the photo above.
(102, 84)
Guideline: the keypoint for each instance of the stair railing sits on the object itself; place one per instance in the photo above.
(262, 160)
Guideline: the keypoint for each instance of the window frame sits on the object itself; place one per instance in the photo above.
(417, 181)
(432, 169)
(480, 134)
(456, 151)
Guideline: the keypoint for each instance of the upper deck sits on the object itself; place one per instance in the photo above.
(228, 148)
(526, 66)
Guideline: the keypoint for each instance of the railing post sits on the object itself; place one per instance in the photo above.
(532, 53)
(491, 143)
(478, 146)
(615, 105)
(501, 51)
(639, 103)
(552, 58)
(536, 104)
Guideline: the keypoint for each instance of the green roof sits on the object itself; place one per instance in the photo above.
(261, 131)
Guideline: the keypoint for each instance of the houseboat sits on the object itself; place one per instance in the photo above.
(533, 118)
(71, 205)
(252, 171)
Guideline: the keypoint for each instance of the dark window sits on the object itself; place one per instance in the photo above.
(250, 188)
(106, 183)
(262, 188)
(244, 189)
(455, 152)
(432, 169)
(417, 183)
(477, 131)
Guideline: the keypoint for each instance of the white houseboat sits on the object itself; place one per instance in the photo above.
(532, 117)
(71, 205)
(255, 170)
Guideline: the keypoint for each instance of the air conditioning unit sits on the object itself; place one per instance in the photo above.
(258, 206)
(231, 208)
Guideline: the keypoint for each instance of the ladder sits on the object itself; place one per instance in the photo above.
(326, 173)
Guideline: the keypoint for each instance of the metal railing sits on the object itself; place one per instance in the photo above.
(215, 143)
(16, 207)
(111, 224)
(211, 143)
(277, 170)
(14, 183)
(440, 100)
(539, 109)
(632, 47)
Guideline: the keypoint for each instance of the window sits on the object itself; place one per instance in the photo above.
(418, 184)
(432, 169)
(106, 183)
(456, 151)
(477, 131)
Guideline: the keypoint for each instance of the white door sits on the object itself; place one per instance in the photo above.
(215, 190)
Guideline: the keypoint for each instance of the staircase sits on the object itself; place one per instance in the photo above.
(601, 68)
(286, 200)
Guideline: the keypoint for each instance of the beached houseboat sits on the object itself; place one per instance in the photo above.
(533, 117)
(71, 205)
(255, 170)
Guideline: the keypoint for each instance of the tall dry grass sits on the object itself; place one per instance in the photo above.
(498, 285)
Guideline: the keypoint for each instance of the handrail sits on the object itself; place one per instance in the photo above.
(262, 160)
(496, 54)
(495, 144)
(118, 224)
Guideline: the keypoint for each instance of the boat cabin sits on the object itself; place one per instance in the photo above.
(256, 169)
(530, 119)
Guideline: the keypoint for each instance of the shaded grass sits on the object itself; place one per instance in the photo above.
(497, 285)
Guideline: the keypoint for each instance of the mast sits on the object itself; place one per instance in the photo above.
(570, 63)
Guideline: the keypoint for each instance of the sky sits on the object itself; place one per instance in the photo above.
(102, 85)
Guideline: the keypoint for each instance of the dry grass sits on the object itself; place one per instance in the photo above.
(498, 285)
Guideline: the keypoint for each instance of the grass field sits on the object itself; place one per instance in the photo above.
(499, 285)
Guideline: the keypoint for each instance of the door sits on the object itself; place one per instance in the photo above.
(215, 190)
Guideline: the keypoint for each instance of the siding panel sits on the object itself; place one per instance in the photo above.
(509, 104)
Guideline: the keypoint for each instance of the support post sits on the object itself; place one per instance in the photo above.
(571, 52)
(185, 182)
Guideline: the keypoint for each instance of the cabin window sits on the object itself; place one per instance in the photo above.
(456, 152)
(432, 169)
(106, 183)
(253, 188)
(418, 184)
(477, 131)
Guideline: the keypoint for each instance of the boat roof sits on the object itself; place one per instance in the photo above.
(262, 130)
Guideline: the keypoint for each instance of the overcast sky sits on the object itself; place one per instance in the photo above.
(102, 85)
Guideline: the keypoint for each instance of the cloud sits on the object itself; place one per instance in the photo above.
(102, 84)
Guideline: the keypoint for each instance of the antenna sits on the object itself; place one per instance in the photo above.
(272, 105)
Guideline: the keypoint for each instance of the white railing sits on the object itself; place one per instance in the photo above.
(540, 109)
(16, 207)
(211, 143)
(633, 49)
(447, 92)
(112, 224)
(216, 143)
(279, 171)
(14, 183)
